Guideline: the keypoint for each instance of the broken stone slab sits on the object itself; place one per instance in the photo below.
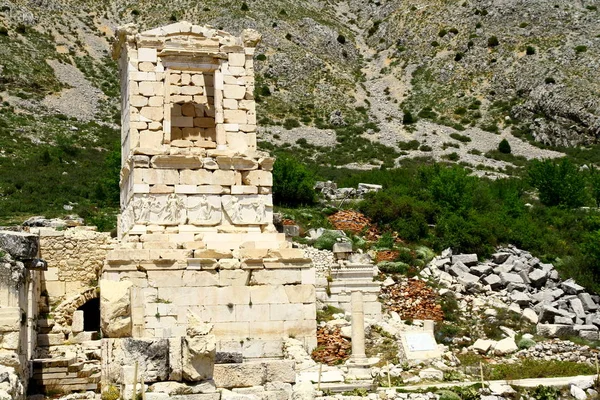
(546, 267)
(500, 258)
(342, 247)
(590, 335)
(570, 287)
(538, 278)
(547, 313)
(587, 302)
(467, 279)
(493, 281)
(507, 278)
(530, 316)
(483, 346)
(554, 330)
(198, 357)
(577, 307)
(519, 298)
(431, 374)
(173, 388)
(505, 346)
(481, 270)
(115, 308)
(20, 245)
(458, 269)
(466, 259)
(563, 320)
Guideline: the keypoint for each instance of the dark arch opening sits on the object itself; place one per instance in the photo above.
(91, 315)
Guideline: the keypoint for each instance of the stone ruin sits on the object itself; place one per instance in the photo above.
(200, 275)
(198, 291)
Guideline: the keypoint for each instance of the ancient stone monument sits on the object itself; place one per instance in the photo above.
(200, 273)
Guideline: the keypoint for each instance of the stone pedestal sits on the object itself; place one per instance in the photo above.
(359, 366)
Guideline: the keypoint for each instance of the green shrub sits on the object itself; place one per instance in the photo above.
(394, 267)
(425, 148)
(22, 29)
(549, 80)
(135, 12)
(460, 138)
(292, 182)
(458, 56)
(530, 50)
(328, 239)
(448, 395)
(493, 41)
(3, 31)
(290, 123)
(427, 112)
(452, 156)
(261, 57)
(580, 49)
(504, 147)
(453, 31)
(526, 343)
(288, 36)
(408, 118)
(341, 39)
(435, 44)
(410, 145)
(443, 32)
(545, 393)
(244, 7)
(559, 183)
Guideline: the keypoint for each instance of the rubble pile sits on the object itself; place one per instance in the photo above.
(522, 283)
(387, 255)
(330, 191)
(332, 347)
(349, 220)
(412, 299)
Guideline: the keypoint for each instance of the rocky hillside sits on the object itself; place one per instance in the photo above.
(354, 80)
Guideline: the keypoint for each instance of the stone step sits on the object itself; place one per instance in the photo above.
(53, 362)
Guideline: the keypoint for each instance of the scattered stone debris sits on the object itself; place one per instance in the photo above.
(412, 299)
(330, 191)
(515, 280)
(355, 222)
(332, 347)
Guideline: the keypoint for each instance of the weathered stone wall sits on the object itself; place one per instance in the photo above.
(75, 257)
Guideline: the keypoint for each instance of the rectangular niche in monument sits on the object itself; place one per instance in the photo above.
(192, 109)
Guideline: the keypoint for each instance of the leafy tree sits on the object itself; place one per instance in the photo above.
(559, 183)
(504, 147)
(292, 182)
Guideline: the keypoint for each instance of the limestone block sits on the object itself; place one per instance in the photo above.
(230, 104)
(234, 92)
(191, 90)
(281, 371)
(115, 308)
(139, 76)
(198, 357)
(237, 59)
(235, 116)
(50, 339)
(268, 294)
(12, 340)
(239, 375)
(244, 189)
(19, 244)
(226, 295)
(232, 330)
(300, 293)
(257, 178)
(224, 178)
(77, 324)
(152, 113)
(147, 54)
(210, 163)
(276, 277)
(196, 177)
(156, 101)
(151, 139)
(266, 163)
(10, 319)
(234, 277)
(300, 328)
(252, 313)
(152, 356)
(138, 101)
(286, 312)
(176, 162)
(200, 278)
(158, 176)
(150, 88)
(147, 66)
